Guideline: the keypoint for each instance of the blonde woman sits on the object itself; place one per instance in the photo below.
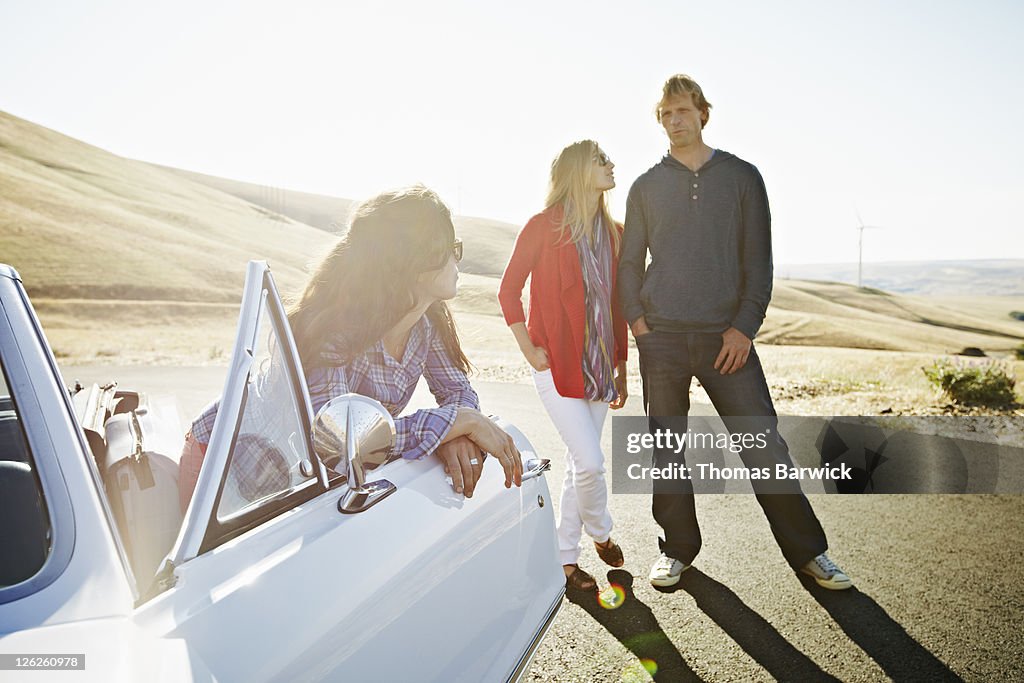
(575, 338)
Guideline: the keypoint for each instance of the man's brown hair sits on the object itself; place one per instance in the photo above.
(681, 84)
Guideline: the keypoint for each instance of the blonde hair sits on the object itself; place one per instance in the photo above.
(572, 188)
(681, 84)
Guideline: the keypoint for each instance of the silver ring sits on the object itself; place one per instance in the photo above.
(474, 461)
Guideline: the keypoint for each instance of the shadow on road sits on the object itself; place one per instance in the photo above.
(749, 630)
(879, 635)
(635, 626)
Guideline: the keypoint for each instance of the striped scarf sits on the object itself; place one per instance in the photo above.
(598, 337)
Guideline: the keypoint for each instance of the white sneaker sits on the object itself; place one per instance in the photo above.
(666, 571)
(827, 574)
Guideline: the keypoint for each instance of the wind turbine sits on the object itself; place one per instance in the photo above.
(860, 246)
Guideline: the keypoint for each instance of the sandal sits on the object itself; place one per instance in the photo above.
(580, 580)
(610, 552)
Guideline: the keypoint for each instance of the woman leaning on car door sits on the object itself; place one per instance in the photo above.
(575, 338)
(372, 319)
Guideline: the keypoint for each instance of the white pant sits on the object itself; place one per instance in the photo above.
(584, 493)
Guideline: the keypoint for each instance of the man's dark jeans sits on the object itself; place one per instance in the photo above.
(668, 363)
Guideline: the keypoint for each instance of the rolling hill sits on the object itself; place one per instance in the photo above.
(97, 237)
(989, 277)
(80, 222)
(802, 313)
(487, 242)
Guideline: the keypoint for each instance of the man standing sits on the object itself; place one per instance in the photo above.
(703, 215)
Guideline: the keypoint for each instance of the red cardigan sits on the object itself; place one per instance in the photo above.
(557, 299)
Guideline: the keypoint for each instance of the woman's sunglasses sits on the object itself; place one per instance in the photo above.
(456, 252)
(602, 159)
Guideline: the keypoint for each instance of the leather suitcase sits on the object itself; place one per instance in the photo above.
(140, 471)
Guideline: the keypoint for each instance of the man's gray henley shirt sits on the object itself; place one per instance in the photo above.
(709, 236)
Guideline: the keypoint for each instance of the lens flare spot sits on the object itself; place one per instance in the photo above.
(612, 597)
(638, 672)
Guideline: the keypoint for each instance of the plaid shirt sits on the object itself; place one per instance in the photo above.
(377, 375)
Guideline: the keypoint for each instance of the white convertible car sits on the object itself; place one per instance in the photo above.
(281, 569)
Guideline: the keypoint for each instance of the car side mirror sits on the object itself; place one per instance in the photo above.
(351, 434)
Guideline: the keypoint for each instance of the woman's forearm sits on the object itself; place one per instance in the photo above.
(522, 336)
(536, 356)
(466, 420)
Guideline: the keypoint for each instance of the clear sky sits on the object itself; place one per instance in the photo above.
(907, 112)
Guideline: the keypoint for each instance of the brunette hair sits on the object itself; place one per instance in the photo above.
(367, 282)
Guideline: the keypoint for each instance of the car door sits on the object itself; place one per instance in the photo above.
(270, 581)
(66, 584)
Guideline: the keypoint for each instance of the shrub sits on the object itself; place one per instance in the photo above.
(988, 384)
(1019, 351)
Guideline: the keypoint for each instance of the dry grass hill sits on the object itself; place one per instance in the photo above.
(986, 277)
(144, 263)
(802, 313)
(79, 222)
(488, 242)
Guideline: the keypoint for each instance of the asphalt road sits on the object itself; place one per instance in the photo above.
(938, 591)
